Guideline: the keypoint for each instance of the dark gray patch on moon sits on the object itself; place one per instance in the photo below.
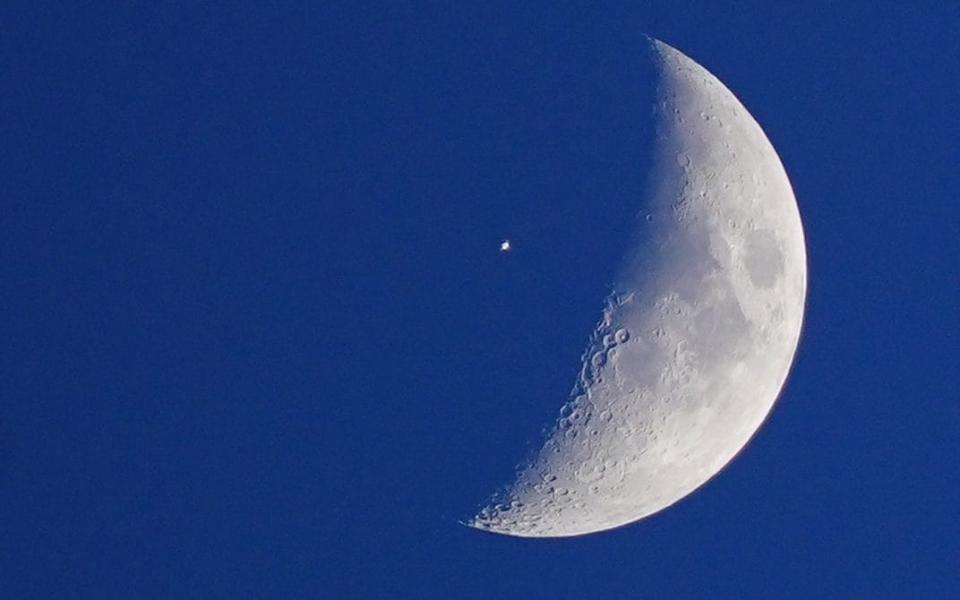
(763, 258)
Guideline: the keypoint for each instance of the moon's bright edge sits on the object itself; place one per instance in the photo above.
(697, 336)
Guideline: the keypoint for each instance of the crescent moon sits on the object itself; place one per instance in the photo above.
(697, 336)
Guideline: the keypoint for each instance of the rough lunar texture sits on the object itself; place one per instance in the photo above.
(696, 338)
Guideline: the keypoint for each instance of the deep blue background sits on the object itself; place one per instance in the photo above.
(258, 340)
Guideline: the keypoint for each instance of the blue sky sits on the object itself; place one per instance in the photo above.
(260, 342)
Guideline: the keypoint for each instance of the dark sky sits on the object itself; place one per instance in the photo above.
(259, 340)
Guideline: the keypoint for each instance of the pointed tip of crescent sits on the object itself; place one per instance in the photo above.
(496, 526)
(657, 44)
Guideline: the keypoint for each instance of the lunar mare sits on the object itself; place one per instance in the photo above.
(696, 337)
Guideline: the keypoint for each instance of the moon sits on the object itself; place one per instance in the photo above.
(696, 337)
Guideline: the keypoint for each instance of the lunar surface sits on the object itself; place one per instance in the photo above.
(696, 337)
